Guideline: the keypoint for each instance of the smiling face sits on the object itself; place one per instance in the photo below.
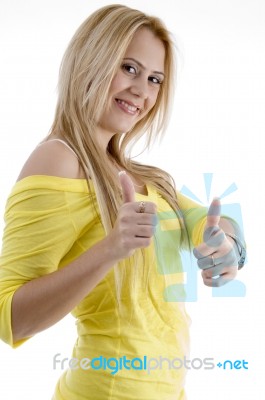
(134, 89)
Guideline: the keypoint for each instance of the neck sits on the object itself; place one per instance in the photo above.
(103, 137)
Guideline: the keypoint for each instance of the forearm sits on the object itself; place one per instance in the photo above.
(42, 302)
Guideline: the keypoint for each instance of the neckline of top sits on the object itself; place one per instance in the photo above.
(63, 184)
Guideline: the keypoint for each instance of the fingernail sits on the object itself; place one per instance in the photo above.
(122, 173)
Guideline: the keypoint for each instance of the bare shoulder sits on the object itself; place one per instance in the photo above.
(52, 158)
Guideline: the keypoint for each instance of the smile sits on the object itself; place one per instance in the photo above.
(129, 108)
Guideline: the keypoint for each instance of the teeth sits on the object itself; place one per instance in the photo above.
(128, 106)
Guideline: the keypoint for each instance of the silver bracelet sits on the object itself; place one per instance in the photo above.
(241, 249)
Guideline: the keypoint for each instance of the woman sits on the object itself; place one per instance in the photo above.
(92, 232)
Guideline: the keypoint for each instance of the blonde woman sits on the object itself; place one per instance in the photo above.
(92, 232)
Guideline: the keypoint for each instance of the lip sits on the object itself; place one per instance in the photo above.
(123, 107)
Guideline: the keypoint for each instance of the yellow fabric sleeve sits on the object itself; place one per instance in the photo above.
(195, 216)
(39, 232)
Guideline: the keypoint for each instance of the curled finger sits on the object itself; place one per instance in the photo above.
(217, 281)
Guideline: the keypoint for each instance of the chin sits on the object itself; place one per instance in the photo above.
(122, 128)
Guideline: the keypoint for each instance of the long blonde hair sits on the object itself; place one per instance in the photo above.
(89, 65)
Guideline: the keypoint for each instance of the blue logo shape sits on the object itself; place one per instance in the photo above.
(234, 288)
(185, 263)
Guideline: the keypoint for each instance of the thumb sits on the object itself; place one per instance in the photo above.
(128, 192)
(214, 213)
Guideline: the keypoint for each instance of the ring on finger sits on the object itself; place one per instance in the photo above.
(142, 207)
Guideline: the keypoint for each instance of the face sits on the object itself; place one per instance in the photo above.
(134, 89)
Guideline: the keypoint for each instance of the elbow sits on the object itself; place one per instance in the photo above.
(8, 335)
(18, 335)
(12, 330)
(20, 330)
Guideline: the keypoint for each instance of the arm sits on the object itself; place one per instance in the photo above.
(42, 302)
(198, 223)
(235, 236)
(219, 256)
(32, 288)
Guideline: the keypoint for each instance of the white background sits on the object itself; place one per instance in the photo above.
(217, 126)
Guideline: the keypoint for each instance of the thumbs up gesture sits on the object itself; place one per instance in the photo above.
(136, 221)
(216, 255)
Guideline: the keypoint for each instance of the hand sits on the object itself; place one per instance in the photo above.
(216, 255)
(133, 229)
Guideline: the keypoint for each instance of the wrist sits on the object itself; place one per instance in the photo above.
(239, 247)
(109, 250)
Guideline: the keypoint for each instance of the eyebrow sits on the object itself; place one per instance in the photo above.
(142, 66)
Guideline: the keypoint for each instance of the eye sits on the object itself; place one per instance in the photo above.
(155, 80)
(129, 68)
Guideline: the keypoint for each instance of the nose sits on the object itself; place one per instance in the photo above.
(139, 88)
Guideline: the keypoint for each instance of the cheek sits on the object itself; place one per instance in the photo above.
(153, 96)
(117, 84)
